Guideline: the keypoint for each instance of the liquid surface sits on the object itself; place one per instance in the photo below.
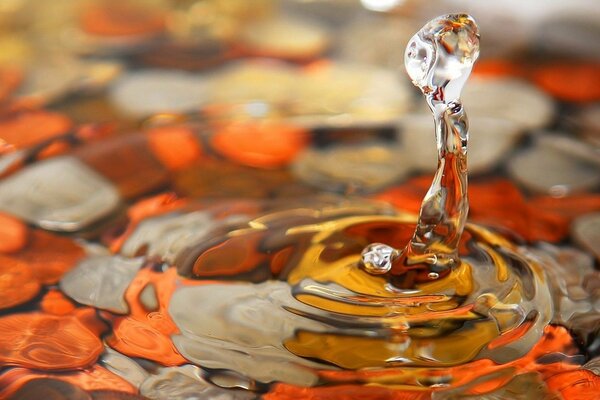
(199, 257)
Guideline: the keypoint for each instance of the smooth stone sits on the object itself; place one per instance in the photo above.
(101, 282)
(350, 168)
(550, 170)
(587, 122)
(508, 98)
(286, 37)
(148, 92)
(585, 231)
(252, 82)
(55, 77)
(59, 194)
(336, 94)
(571, 146)
(349, 94)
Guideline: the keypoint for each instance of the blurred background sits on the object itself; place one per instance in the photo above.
(332, 68)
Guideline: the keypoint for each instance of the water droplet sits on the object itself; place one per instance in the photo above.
(377, 258)
(441, 55)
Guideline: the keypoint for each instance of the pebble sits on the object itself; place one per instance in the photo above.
(149, 92)
(349, 168)
(60, 194)
(101, 282)
(510, 99)
(546, 169)
(586, 233)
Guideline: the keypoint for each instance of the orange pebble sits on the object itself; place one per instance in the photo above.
(260, 144)
(54, 302)
(569, 207)
(47, 342)
(10, 79)
(148, 334)
(17, 283)
(93, 378)
(343, 392)
(576, 385)
(49, 256)
(137, 338)
(121, 19)
(27, 128)
(44, 260)
(176, 147)
(570, 81)
(496, 68)
(13, 234)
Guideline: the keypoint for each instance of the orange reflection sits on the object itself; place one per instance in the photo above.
(137, 338)
(576, 385)
(10, 79)
(234, 256)
(147, 334)
(493, 67)
(13, 234)
(44, 260)
(17, 284)
(263, 144)
(569, 207)
(27, 128)
(54, 302)
(342, 392)
(176, 147)
(123, 18)
(93, 378)
(48, 342)
(570, 81)
(128, 162)
(49, 256)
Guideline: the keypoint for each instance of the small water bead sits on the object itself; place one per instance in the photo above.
(377, 258)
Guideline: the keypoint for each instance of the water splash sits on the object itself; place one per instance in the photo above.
(439, 59)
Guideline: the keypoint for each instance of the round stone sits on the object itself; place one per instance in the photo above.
(549, 170)
(511, 99)
(586, 232)
(153, 91)
(347, 168)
